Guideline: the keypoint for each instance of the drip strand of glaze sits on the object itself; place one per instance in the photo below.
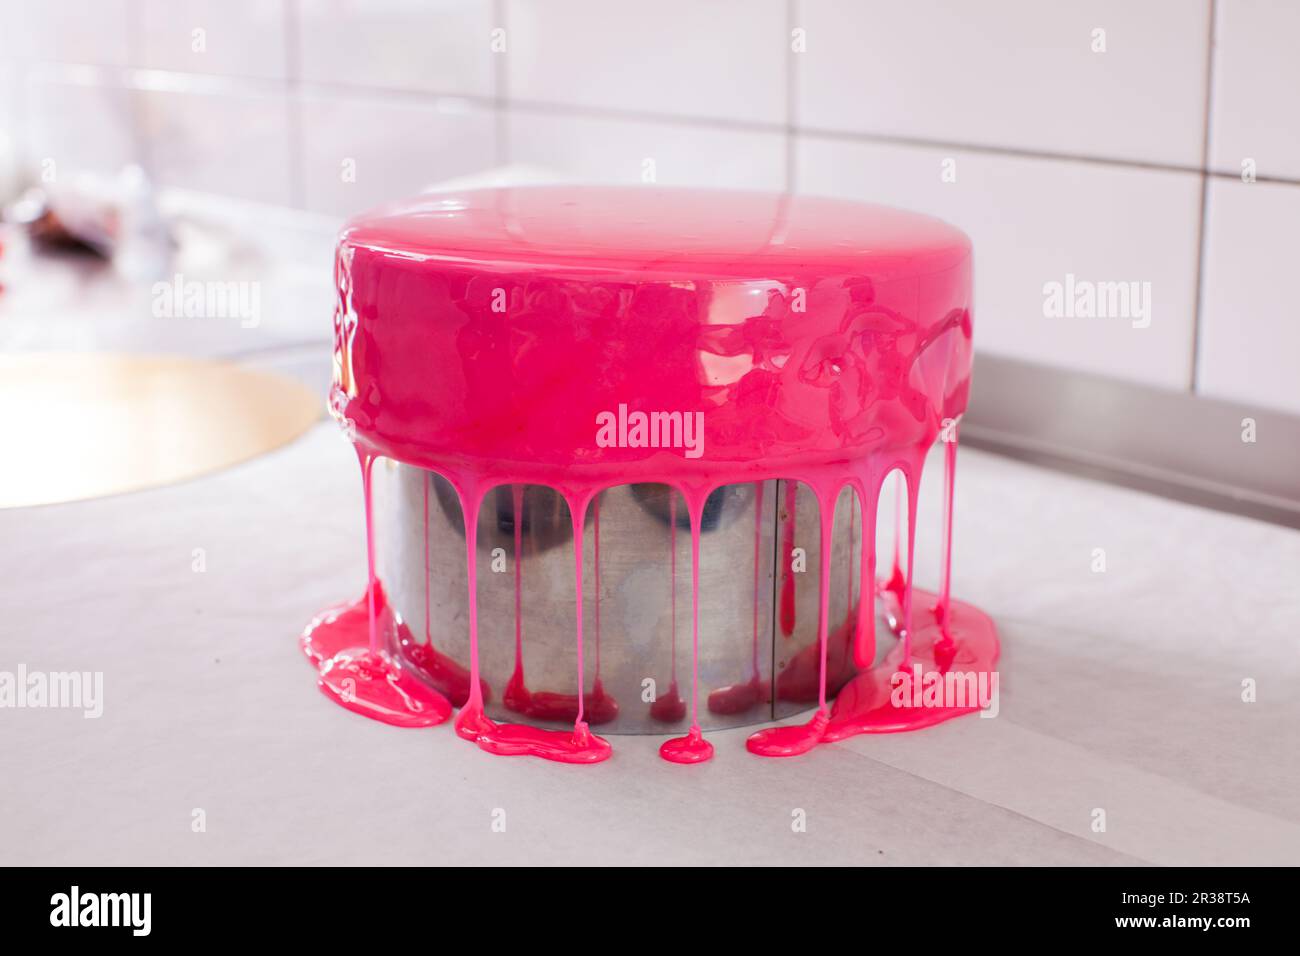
(516, 696)
(425, 479)
(896, 581)
(577, 746)
(436, 669)
(787, 610)
(853, 527)
(585, 746)
(669, 707)
(798, 739)
(595, 582)
(692, 748)
(758, 553)
(739, 698)
(864, 632)
(469, 507)
(578, 508)
(846, 647)
(897, 590)
(913, 488)
(354, 666)
(367, 487)
(548, 705)
(945, 584)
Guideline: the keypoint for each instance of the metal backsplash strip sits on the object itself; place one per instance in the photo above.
(1173, 444)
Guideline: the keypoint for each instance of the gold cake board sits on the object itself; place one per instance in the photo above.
(84, 425)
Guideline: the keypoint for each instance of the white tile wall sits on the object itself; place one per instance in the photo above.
(1256, 87)
(1250, 325)
(239, 38)
(727, 58)
(1069, 161)
(360, 151)
(96, 32)
(76, 123)
(1033, 221)
(436, 46)
(234, 143)
(621, 151)
(1011, 73)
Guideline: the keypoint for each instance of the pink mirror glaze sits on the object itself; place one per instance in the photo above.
(484, 334)
(493, 326)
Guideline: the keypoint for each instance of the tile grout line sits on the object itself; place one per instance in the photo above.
(1202, 232)
(791, 90)
(206, 83)
(501, 89)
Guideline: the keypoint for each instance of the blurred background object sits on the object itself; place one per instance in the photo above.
(1129, 173)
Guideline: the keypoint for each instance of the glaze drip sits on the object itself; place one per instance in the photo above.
(692, 748)
(355, 668)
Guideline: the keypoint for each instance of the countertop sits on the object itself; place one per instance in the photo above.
(1121, 690)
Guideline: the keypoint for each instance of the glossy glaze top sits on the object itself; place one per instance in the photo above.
(485, 333)
(690, 232)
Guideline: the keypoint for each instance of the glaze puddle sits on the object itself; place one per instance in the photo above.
(355, 669)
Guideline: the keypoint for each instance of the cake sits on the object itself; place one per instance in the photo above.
(588, 338)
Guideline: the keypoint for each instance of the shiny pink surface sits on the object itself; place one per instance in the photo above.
(491, 327)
